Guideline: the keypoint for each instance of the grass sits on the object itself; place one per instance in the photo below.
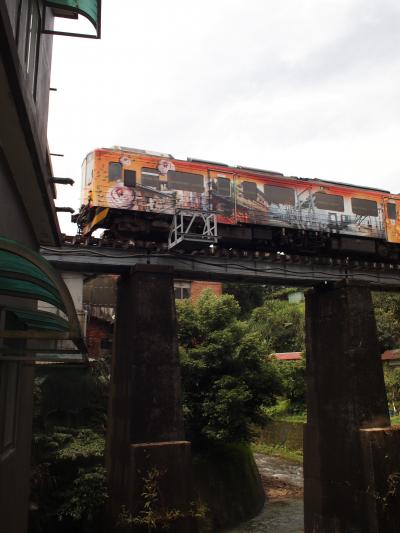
(395, 420)
(277, 450)
(282, 411)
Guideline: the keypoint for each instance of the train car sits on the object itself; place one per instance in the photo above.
(133, 194)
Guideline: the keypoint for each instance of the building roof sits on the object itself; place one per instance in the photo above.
(391, 355)
(288, 356)
(388, 355)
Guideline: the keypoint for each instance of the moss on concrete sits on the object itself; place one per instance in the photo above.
(228, 482)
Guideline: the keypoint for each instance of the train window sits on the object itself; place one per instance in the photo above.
(129, 178)
(114, 171)
(185, 181)
(279, 195)
(84, 171)
(391, 211)
(224, 186)
(329, 202)
(89, 163)
(151, 178)
(367, 208)
(250, 190)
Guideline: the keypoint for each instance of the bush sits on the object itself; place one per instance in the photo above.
(281, 325)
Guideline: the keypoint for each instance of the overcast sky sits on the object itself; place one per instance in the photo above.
(309, 88)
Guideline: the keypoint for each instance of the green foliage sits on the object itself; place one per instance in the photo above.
(392, 381)
(281, 293)
(281, 325)
(154, 515)
(387, 315)
(68, 478)
(285, 411)
(247, 295)
(293, 379)
(84, 445)
(68, 481)
(278, 450)
(86, 496)
(226, 374)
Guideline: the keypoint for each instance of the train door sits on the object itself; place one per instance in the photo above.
(392, 218)
(222, 194)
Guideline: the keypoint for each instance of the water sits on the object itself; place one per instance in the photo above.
(283, 511)
(280, 469)
(276, 517)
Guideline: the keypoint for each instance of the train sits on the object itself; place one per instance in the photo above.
(133, 194)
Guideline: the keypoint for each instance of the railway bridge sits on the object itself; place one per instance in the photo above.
(351, 453)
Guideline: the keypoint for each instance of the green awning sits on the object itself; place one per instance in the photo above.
(39, 320)
(27, 289)
(91, 9)
(26, 274)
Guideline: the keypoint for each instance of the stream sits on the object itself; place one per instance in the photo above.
(283, 510)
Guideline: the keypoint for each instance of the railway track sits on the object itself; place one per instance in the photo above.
(226, 264)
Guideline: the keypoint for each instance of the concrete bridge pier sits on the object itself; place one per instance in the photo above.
(351, 454)
(148, 460)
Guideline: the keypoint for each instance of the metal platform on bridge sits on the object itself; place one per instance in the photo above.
(229, 265)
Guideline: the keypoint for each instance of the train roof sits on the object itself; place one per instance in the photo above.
(344, 184)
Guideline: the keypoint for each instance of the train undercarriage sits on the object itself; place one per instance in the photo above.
(124, 228)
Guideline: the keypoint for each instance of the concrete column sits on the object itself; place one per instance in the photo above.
(145, 433)
(347, 407)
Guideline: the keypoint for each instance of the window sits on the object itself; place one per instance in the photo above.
(185, 181)
(84, 164)
(391, 211)
(279, 195)
(224, 186)
(329, 202)
(182, 290)
(367, 208)
(114, 171)
(151, 178)
(250, 190)
(129, 178)
(89, 169)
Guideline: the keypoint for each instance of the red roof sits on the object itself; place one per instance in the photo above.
(389, 355)
(288, 356)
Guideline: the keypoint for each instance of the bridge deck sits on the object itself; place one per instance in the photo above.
(229, 265)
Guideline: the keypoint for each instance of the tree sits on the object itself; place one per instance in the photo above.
(392, 382)
(387, 315)
(227, 376)
(281, 325)
(293, 378)
(247, 295)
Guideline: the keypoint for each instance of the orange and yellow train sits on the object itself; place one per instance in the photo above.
(134, 193)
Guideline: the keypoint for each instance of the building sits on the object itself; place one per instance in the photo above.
(391, 357)
(192, 289)
(99, 301)
(28, 219)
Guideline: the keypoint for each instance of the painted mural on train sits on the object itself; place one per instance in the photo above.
(146, 182)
